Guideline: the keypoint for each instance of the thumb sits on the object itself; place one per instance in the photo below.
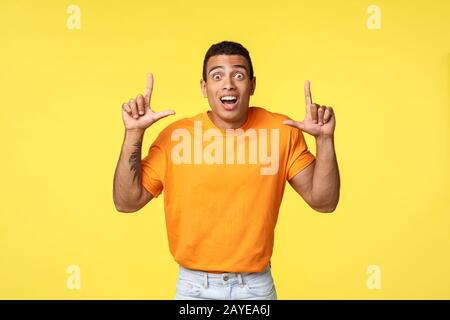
(162, 114)
(296, 124)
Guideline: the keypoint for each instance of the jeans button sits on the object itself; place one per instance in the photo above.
(225, 278)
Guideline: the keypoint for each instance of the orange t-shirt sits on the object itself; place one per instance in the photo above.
(223, 188)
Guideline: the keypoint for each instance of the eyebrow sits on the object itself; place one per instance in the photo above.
(234, 65)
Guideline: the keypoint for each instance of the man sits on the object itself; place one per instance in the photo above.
(223, 173)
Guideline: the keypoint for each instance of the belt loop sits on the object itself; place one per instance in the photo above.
(241, 281)
(205, 282)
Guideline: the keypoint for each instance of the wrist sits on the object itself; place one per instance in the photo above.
(134, 131)
(324, 139)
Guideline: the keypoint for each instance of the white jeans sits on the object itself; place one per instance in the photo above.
(199, 285)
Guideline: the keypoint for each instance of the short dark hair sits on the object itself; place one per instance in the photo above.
(227, 48)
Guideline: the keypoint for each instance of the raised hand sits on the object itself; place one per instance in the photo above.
(137, 113)
(319, 120)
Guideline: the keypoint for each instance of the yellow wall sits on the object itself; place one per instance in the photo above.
(61, 132)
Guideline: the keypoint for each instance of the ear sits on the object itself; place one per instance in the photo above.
(203, 86)
(253, 81)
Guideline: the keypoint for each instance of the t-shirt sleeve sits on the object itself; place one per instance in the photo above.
(299, 156)
(153, 168)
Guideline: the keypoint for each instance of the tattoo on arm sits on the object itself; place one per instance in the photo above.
(135, 161)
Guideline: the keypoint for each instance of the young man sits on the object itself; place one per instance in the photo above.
(223, 173)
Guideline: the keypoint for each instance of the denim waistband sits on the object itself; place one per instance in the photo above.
(206, 278)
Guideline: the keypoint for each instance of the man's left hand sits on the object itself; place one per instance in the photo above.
(319, 120)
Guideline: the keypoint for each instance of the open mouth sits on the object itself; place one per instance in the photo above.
(229, 102)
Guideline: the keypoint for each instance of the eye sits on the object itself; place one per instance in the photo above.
(239, 76)
(216, 76)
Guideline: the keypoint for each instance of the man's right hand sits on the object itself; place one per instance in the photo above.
(137, 113)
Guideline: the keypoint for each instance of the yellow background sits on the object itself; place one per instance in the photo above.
(61, 133)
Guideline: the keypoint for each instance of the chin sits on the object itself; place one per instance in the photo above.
(230, 114)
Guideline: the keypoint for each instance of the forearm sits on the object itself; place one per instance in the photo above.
(326, 180)
(127, 177)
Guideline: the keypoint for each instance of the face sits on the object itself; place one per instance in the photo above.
(228, 88)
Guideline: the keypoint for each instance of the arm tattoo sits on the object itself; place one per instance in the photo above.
(135, 161)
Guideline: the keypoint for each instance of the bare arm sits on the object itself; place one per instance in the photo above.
(128, 193)
(319, 183)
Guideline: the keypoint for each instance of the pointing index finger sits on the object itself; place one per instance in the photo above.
(308, 98)
(149, 89)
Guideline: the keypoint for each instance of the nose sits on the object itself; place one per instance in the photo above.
(228, 83)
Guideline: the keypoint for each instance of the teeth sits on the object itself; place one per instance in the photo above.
(228, 98)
